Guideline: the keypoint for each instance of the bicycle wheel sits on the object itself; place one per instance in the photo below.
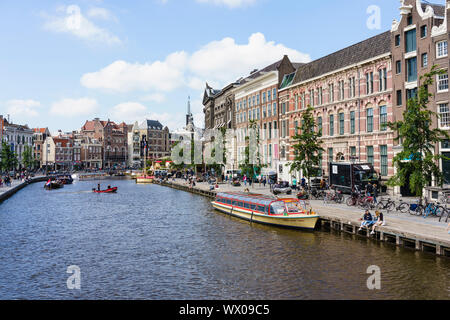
(403, 207)
(439, 211)
(350, 202)
(380, 206)
(390, 206)
(419, 211)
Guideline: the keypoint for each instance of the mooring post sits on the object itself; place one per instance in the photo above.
(438, 249)
(381, 236)
(417, 244)
(398, 241)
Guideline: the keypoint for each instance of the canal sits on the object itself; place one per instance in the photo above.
(153, 242)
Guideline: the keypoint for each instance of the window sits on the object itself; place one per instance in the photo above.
(268, 96)
(399, 98)
(369, 120)
(274, 109)
(411, 69)
(384, 160)
(410, 40)
(319, 125)
(263, 97)
(383, 79)
(423, 31)
(341, 123)
(409, 20)
(411, 93)
(352, 87)
(370, 154)
(369, 83)
(341, 90)
(283, 108)
(296, 127)
(274, 94)
(398, 67)
(442, 82)
(303, 100)
(311, 97)
(296, 101)
(352, 122)
(330, 154)
(353, 151)
(331, 132)
(320, 96)
(441, 49)
(397, 40)
(424, 60)
(257, 99)
(444, 115)
(383, 118)
(331, 92)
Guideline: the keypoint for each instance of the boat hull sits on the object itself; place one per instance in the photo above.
(144, 180)
(300, 221)
(111, 190)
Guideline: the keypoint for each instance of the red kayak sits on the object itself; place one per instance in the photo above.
(110, 190)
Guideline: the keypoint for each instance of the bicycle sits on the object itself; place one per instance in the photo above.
(431, 209)
(335, 196)
(388, 205)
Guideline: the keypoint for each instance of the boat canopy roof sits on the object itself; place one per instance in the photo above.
(253, 198)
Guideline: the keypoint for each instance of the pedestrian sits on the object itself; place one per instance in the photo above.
(367, 220)
(245, 180)
(294, 183)
(250, 180)
(375, 193)
(303, 182)
(379, 221)
(264, 181)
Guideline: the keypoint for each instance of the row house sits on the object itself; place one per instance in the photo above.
(59, 154)
(114, 139)
(91, 153)
(419, 40)
(351, 93)
(256, 100)
(18, 137)
(39, 137)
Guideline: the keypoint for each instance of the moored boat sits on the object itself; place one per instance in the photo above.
(51, 185)
(145, 179)
(290, 213)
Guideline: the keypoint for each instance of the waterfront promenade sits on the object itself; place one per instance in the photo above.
(16, 185)
(426, 234)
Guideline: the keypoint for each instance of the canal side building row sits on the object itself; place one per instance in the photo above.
(355, 92)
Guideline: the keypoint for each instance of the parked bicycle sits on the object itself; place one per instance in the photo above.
(386, 204)
(334, 196)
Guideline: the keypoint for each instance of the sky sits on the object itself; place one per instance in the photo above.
(65, 62)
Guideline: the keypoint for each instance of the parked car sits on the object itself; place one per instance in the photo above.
(282, 187)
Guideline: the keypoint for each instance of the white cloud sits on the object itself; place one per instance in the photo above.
(22, 108)
(123, 76)
(218, 62)
(101, 13)
(225, 61)
(74, 107)
(134, 111)
(154, 97)
(71, 20)
(230, 3)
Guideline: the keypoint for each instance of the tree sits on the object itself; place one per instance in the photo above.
(27, 157)
(248, 167)
(418, 160)
(307, 148)
(8, 158)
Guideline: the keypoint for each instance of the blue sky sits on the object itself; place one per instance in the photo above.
(63, 62)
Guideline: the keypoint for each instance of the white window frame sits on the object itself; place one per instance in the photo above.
(440, 105)
(444, 49)
(439, 80)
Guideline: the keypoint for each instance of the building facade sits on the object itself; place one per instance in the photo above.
(19, 138)
(39, 137)
(351, 93)
(419, 40)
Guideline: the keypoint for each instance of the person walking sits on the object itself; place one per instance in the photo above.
(264, 181)
(245, 180)
(294, 183)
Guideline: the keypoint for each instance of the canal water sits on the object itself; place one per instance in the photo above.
(153, 242)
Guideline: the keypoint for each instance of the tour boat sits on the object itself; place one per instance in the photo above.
(65, 179)
(290, 213)
(145, 179)
(110, 190)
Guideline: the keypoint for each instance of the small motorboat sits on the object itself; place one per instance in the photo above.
(109, 190)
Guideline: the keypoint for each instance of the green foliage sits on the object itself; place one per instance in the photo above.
(247, 168)
(307, 148)
(418, 140)
(8, 158)
(28, 157)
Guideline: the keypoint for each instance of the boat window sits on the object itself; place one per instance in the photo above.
(292, 207)
(277, 208)
(228, 201)
(246, 205)
(234, 203)
(261, 208)
(253, 206)
(240, 204)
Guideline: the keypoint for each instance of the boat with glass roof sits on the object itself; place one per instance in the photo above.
(286, 212)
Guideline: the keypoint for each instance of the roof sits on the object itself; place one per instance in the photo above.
(364, 50)
(439, 9)
(154, 124)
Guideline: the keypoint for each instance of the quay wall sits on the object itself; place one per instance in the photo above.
(420, 239)
(7, 194)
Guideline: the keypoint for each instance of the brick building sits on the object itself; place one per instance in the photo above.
(419, 40)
